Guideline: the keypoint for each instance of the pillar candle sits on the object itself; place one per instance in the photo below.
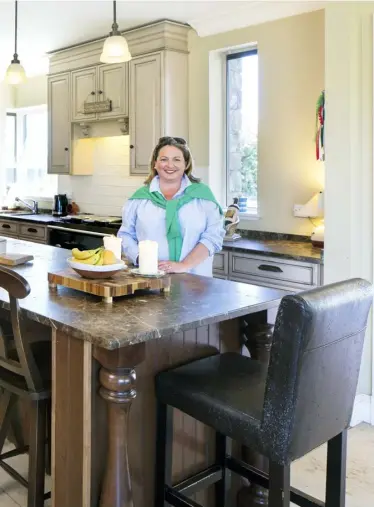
(148, 257)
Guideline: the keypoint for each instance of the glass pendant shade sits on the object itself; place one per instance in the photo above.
(115, 50)
(15, 74)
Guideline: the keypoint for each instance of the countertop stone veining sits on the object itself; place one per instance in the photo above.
(193, 301)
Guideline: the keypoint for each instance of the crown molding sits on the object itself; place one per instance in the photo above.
(243, 14)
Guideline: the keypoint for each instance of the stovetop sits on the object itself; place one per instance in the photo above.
(96, 220)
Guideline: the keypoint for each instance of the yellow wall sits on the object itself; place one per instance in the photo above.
(291, 73)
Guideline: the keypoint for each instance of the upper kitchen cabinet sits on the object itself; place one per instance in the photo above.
(98, 84)
(149, 95)
(145, 110)
(158, 103)
(59, 131)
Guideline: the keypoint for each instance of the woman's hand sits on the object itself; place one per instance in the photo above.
(172, 267)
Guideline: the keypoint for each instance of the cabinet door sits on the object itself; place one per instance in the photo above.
(113, 85)
(145, 110)
(59, 136)
(83, 89)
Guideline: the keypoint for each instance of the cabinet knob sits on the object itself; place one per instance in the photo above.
(132, 146)
(66, 149)
(92, 93)
(100, 92)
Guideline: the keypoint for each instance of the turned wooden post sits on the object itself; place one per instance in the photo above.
(257, 337)
(118, 388)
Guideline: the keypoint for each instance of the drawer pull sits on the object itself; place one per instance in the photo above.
(6, 226)
(267, 267)
(31, 229)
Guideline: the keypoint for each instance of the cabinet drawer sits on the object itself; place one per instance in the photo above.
(221, 263)
(8, 228)
(275, 271)
(32, 231)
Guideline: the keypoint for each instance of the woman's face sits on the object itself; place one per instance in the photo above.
(170, 164)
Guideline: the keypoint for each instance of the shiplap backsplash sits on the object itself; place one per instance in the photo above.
(106, 191)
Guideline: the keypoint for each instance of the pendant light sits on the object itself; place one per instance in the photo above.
(15, 73)
(115, 48)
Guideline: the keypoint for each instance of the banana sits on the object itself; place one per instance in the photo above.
(84, 254)
(100, 262)
(91, 260)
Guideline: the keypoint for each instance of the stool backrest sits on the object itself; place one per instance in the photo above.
(314, 367)
(24, 365)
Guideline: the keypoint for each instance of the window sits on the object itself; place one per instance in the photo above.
(26, 159)
(242, 129)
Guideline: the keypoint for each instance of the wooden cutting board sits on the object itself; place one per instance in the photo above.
(15, 259)
(122, 284)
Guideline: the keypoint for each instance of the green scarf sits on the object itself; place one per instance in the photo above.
(173, 232)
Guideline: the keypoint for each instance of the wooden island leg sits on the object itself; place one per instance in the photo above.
(257, 338)
(118, 388)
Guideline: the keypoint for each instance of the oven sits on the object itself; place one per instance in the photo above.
(69, 237)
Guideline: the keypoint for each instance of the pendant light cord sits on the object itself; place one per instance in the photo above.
(15, 56)
(115, 26)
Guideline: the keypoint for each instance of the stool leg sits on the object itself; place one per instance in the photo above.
(8, 401)
(164, 450)
(336, 470)
(279, 485)
(223, 487)
(37, 454)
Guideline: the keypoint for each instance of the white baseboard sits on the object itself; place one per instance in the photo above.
(363, 410)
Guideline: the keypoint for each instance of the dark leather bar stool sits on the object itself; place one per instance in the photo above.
(25, 372)
(304, 399)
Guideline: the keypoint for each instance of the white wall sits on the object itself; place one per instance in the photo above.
(349, 151)
(7, 100)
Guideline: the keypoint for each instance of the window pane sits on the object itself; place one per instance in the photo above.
(32, 177)
(242, 128)
(10, 148)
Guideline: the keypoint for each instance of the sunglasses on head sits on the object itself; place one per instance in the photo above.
(165, 139)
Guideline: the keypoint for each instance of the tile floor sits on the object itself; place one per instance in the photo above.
(308, 474)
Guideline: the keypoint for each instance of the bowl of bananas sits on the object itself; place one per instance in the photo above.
(96, 263)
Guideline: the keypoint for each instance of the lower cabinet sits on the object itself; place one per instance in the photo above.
(267, 271)
(23, 230)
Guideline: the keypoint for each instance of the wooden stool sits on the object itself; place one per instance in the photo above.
(304, 400)
(25, 372)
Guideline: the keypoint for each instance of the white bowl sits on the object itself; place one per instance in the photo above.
(93, 271)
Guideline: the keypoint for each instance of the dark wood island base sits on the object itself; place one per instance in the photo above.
(106, 458)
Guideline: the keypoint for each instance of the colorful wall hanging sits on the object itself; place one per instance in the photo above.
(320, 126)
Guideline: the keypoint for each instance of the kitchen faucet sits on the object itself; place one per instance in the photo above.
(33, 207)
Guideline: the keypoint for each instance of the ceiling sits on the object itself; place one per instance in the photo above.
(47, 25)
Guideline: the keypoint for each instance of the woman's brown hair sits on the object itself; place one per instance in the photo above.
(179, 143)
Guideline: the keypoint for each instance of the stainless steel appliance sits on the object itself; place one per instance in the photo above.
(82, 231)
(60, 205)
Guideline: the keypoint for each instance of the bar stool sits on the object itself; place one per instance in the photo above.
(305, 399)
(25, 372)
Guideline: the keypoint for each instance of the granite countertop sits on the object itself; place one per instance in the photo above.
(286, 249)
(193, 301)
(277, 246)
(41, 218)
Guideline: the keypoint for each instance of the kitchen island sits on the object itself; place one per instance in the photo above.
(104, 356)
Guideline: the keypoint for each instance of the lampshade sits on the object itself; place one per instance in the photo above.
(115, 50)
(15, 74)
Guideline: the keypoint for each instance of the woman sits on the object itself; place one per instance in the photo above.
(176, 210)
